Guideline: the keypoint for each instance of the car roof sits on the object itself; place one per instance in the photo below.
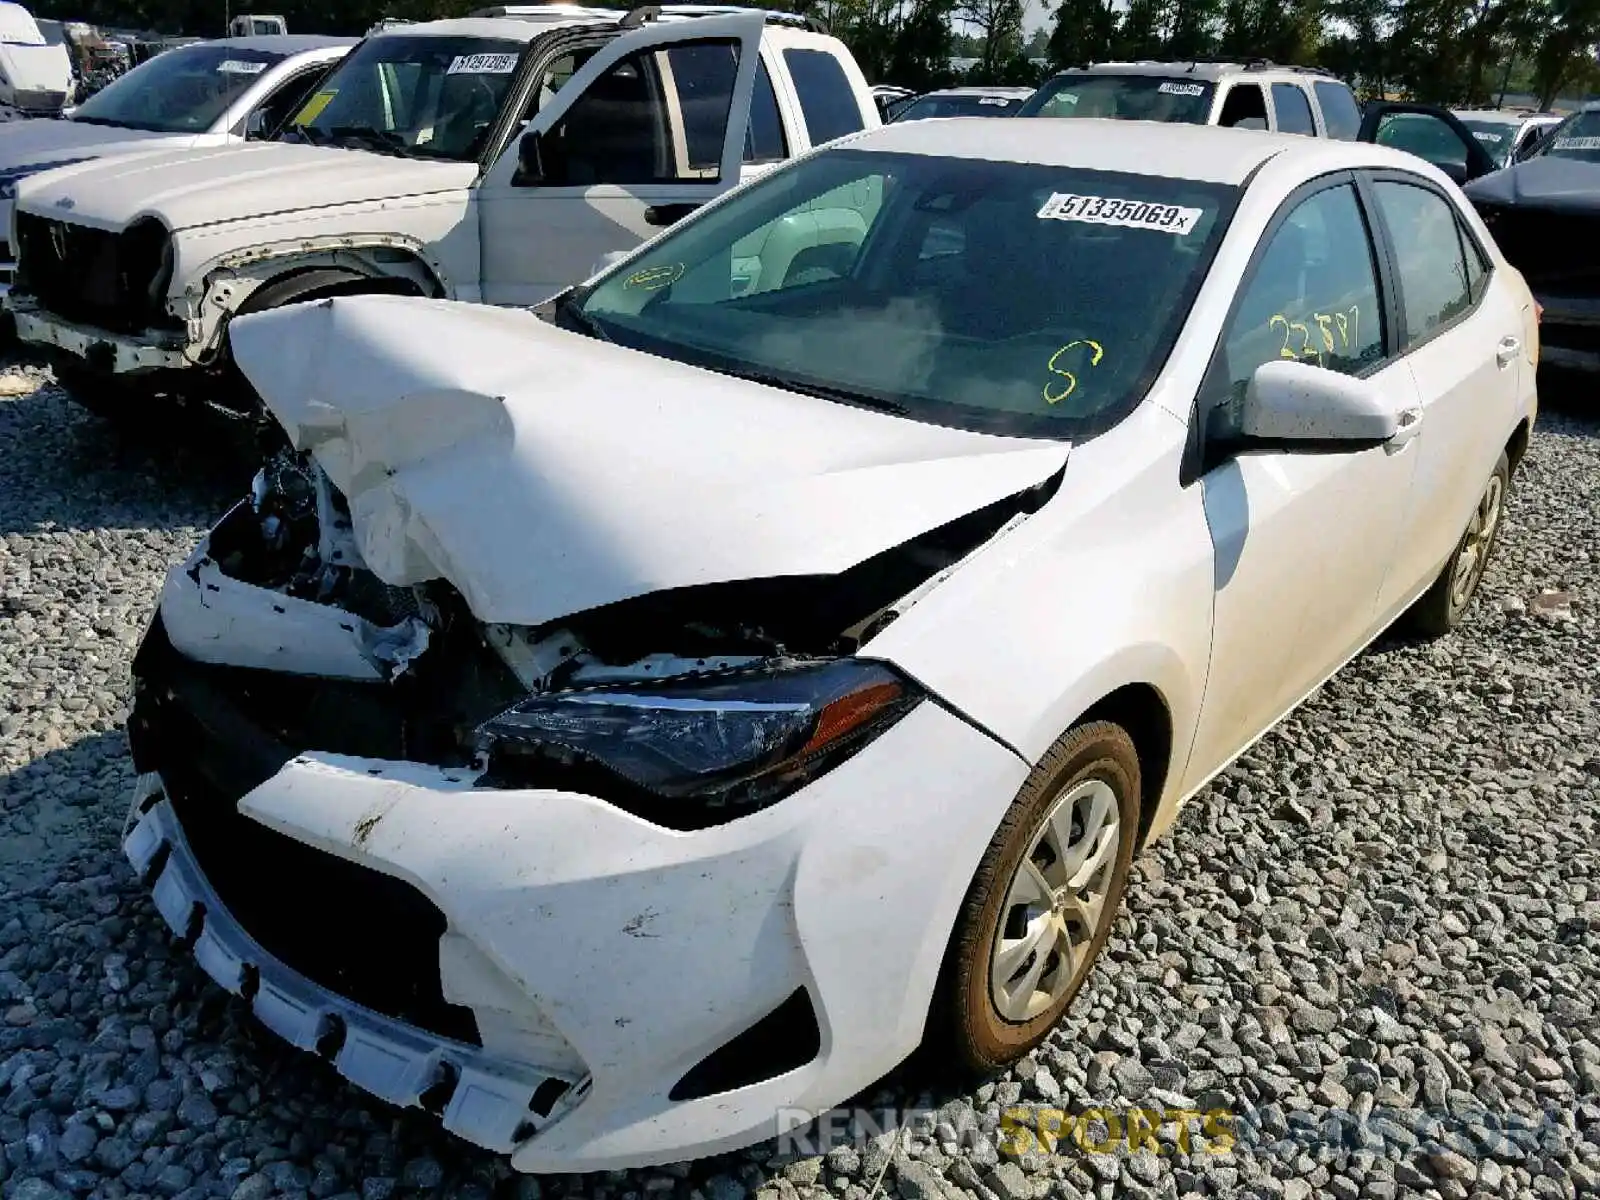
(1208, 72)
(1204, 153)
(980, 91)
(282, 43)
(516, 29)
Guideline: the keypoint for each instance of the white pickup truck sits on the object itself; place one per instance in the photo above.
(493, 158)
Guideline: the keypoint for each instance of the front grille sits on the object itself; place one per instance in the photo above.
(73, 271)
(363, 935)
(1549, 248)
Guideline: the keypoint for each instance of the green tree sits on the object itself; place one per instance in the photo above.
(1083, 32)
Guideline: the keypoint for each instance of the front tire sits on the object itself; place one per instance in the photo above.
(1443, 605)
(1043, 901)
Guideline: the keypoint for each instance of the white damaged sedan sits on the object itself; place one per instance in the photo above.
(609, 731)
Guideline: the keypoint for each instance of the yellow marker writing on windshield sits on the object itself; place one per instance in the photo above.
(1098, 352)
(654, 278)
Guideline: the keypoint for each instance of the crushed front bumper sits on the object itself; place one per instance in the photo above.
(107, 353)
(585, 943)
(490, 1101)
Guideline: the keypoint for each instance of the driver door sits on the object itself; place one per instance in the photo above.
(651, 127)
(1452, 148)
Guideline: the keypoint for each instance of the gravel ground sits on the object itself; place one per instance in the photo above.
(1390, 906)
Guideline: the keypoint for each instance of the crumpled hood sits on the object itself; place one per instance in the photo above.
(1542, 182)
(543, 473)
(37, 141)
(185, 188)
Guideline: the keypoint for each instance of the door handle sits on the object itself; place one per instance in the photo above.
(667, 214)
(1507, 350)
(1410, 425)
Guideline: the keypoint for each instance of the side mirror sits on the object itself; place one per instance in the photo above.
(255, 126)
(530, 161)
(1297, 405)
(1457, 171)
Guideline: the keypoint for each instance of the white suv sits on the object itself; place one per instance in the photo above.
(1244, 95)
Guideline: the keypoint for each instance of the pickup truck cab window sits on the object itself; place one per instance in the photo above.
(1293, 109)
(825, 95)
(1340, 112)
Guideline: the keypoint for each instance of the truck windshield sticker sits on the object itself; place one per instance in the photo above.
(482, 64)
(313, 108)
(1182, 89)
(1130, 214)
(1577, 143)
(239, 66)
(1001, 100)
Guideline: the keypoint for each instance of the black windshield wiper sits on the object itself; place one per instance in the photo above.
(823, 391)
(381, 140)
(568, 311)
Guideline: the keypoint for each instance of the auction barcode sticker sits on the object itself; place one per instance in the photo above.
(1001, 100)
(1132, 214)
(482, 64)
(1182, 89)
(1577, 143)
(240, 66)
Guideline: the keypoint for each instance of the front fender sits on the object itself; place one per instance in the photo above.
(207, 296)
(1109, 584)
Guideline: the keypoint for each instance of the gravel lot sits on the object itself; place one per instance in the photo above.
(1392, 903)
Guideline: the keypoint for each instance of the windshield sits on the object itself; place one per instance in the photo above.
(960, 106)
(1498, 138)
(1125, 97)
(999, 297)
(182, 91)
(423, 97)
(1576, 137)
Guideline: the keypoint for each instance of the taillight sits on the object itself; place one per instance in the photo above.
(1538, 313)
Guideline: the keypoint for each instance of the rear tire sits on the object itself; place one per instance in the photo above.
(1043, 901)
(1443, 605)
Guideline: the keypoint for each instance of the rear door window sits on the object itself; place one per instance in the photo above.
(1294, 110)
(1245, 107)
(1340, 113)
(827, 101)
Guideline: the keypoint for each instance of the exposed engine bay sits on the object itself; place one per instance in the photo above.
(356, 666)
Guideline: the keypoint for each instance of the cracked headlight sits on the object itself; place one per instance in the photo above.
(738, 741)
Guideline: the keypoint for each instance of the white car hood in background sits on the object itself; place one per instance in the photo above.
(185, 188)
(42, 140)
(36, 68)
(543, 473)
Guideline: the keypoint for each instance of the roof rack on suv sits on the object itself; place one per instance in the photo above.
(543, 11)
(1242, 64)
(657, 12)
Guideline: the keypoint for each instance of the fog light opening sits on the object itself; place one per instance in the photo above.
(545, 1096)
(435, 1098)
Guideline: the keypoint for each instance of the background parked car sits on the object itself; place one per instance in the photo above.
(965, 102)
(1545, 213)
(35, 73)
(206, 94)
(1507, 134)
(494, 159)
